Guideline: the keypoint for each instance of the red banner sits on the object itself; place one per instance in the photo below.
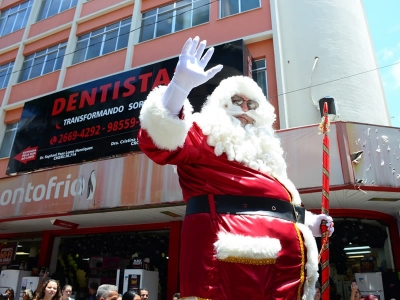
(7, 253)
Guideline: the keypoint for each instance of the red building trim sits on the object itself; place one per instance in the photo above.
(173, 258)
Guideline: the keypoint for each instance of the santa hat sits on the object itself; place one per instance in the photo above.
(264, 115)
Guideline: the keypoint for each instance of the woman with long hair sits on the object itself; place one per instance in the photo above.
(10, 293)
(50, 290)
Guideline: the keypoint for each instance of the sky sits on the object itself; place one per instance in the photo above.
(383, 18)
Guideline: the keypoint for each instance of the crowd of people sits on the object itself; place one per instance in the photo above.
(49, 289)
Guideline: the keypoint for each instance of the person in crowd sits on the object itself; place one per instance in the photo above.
(11, 294)
(317, 295)
(176, 296)
(93, 286)
(244, 221)
(119, 297)
(27, 294)
(107, 292)
(355, 292)
(131, 295)
(66, 292)
(144, 293)
(50, 290)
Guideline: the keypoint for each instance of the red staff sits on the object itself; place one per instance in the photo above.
(324, 254)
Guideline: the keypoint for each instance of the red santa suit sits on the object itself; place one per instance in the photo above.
(226, 255)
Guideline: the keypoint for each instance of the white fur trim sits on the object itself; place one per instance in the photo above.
(312, 263)
(229, 244)
(190, 298)
(167, 132)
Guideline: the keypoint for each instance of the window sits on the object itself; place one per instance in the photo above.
(231, 7)
(8, 140)
(5, 73)
(50, 8)
(43, 62)
(259, 73)
(174, 17)
(102, 41)
(15, 17)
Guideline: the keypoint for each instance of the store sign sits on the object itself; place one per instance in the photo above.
(64, 224)
(366, 266)
(100, 119)
(7, 253)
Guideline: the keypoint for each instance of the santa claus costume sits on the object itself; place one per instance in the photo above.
(245, 233)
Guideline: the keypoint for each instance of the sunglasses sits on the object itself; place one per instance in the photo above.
(251, 104)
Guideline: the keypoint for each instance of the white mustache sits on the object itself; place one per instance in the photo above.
(235, 110)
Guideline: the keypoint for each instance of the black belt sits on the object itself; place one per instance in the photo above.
(244, 205)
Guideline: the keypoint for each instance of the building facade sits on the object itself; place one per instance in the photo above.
(301, 51)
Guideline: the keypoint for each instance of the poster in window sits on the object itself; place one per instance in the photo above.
(134, 283)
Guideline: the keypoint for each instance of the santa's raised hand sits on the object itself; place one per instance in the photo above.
(189, 73)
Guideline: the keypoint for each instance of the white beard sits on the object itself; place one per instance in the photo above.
(255, 147)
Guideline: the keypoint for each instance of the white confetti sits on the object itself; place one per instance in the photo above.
(398, 176)
(385, 138)
(388, 148)
(382, 162)
(379, 149)
(368, 130)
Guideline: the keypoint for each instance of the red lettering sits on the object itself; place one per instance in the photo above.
(89, 98)
(161, 78)
(145, 81)
(72, 102)
(104, 89)
(116, 90)
(58, 106)
(128, 84)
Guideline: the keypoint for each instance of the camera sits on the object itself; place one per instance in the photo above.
(3, 296)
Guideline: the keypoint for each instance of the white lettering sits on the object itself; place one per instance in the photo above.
(50, 191)
(42, 187)
(7, 193)
(21, 197)
(50, 186)
(97, 114)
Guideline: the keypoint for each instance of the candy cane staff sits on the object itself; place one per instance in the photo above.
(245, 233)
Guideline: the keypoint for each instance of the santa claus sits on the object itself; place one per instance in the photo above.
(245, 233)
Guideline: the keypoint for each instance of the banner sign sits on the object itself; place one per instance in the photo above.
(100, 119)
(7, 253)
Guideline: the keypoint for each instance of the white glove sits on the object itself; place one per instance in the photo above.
(189, 74)
(314, 222)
